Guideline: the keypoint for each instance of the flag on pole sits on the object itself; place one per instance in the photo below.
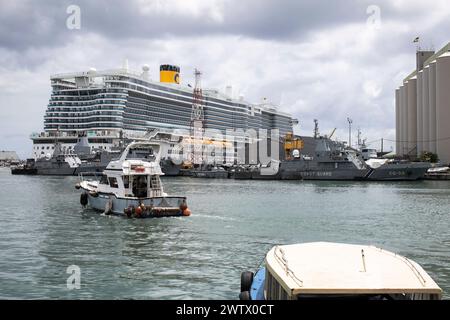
(416, 39)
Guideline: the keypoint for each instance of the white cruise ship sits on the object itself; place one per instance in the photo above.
(109, 105)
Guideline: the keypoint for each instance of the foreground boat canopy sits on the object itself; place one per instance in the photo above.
(335, 268)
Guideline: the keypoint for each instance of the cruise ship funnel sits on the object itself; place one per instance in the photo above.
(169, 73)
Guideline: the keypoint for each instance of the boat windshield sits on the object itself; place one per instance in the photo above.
(141, 153)
(104, 179)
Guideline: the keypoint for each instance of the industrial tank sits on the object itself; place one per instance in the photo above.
(432, 104)
(412, 116)
(397, 121)
(443, 107)
(425, 109)
(419, 111)
(404, 117)
(400, 120)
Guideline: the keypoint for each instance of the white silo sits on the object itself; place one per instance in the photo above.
(432, 106)
(412, 116)
(397, 121)
(419, 111)
(443, 107)
(425, 109)
(400, 122)
(404, 118)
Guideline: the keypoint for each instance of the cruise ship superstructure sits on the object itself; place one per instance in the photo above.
(110, 104)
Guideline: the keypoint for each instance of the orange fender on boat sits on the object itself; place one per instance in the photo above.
(183, 206)
(138, 211)
(187, 212)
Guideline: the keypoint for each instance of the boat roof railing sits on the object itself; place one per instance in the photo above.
(141, 144)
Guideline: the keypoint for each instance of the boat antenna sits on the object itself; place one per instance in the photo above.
(350, 121)
(316, 128)
(359, 138)
(363, 260)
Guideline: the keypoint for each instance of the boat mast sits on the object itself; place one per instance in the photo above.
(316, 128)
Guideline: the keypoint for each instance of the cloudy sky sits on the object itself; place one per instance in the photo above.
(325, 60)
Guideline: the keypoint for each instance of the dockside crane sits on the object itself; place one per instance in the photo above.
(197, 120)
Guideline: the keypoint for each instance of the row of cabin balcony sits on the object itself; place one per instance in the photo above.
(84, 127)
(58, 96)
(83, 111)
(78, 120)
(154, 116)
(76, 100)
(84, 93)
(113, 107)
(81, 115)
(86, 109)
(85, 103)
(222, 125)
(74, 134)
(87, 91)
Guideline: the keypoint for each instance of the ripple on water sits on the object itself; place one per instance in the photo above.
(234, 224)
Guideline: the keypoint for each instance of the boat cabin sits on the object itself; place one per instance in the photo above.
(340, 271)
(369, 153)
(136, 174)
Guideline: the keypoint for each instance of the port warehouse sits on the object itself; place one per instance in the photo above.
(422, 107)
(8, 157)
(107, 104)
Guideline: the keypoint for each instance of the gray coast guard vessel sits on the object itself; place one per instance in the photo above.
(332, 160)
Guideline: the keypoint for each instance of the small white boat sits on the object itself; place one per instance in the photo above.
(132, 186)
(322, 270)
(439, 170)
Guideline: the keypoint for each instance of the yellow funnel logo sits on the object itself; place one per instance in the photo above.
(169, 74)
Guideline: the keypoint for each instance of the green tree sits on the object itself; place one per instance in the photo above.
(428, 156)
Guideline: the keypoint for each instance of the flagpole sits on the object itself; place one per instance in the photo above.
(417, 40)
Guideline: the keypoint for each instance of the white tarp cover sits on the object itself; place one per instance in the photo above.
(376, 163)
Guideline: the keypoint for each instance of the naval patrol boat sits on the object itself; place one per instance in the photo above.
(333, 160)
(60, 163)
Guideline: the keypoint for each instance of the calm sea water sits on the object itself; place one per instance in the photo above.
(43, 230)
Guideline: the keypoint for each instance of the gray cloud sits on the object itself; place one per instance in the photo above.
(317, 59)
(43, 23)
